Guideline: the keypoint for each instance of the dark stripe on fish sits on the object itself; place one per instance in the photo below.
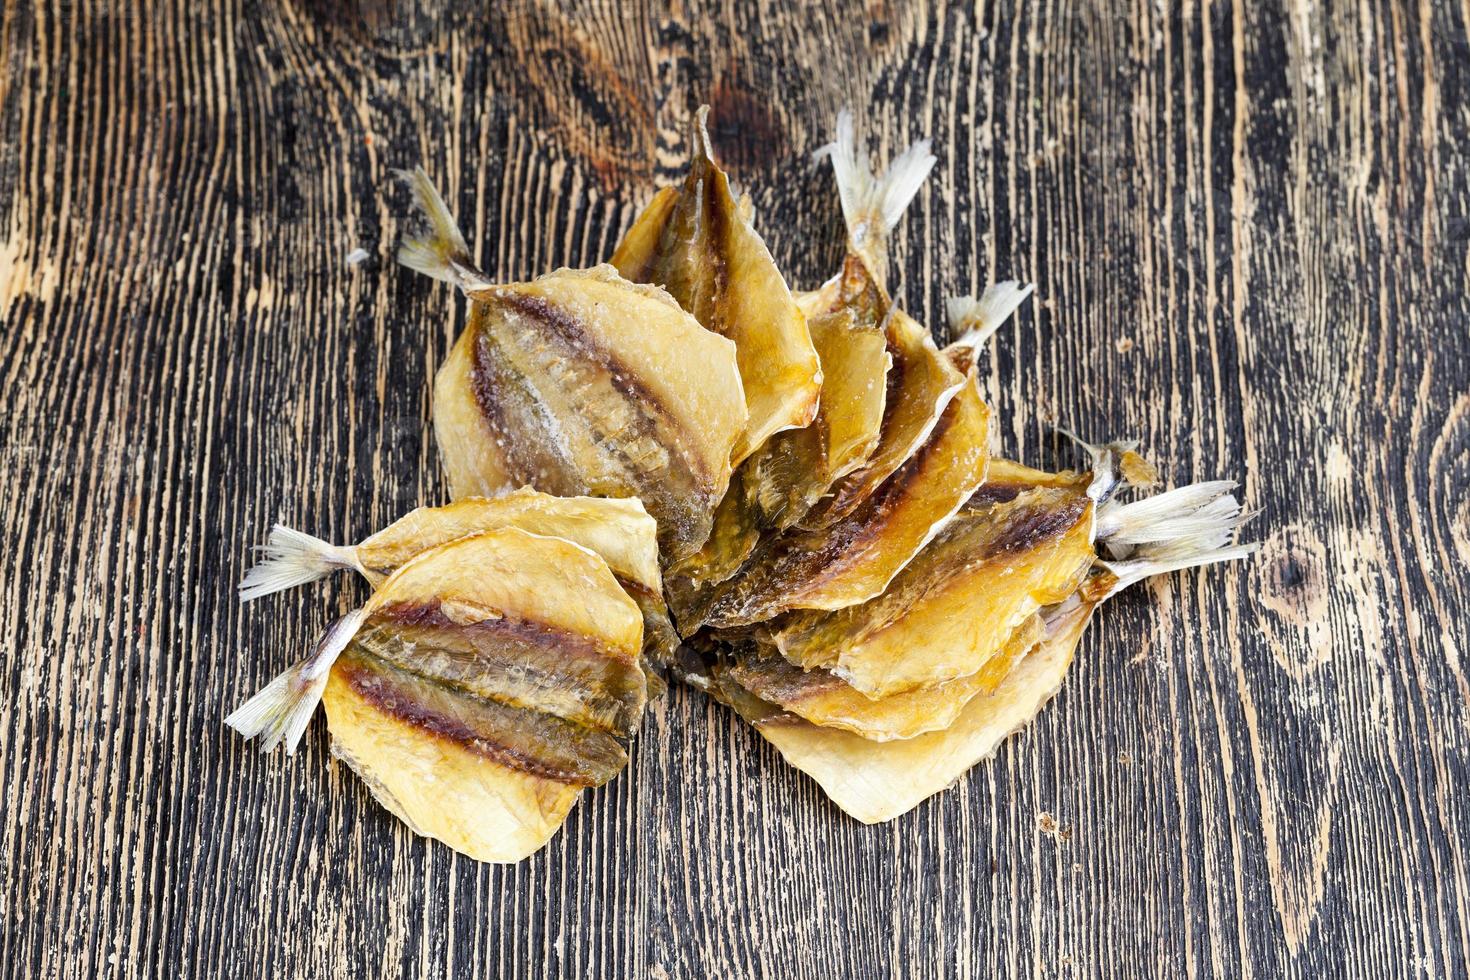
(1028, 527)
(812, 557)
(532, 457)
(514, 661)
(527, 741)
(674, 491)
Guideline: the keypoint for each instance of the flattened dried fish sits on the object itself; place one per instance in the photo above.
(482, 686)
(875, 781)
(783, 478)
(824, 699)
(956, 605)
(848, 321)
(920, 385)
(618, 530)
(697, 242)
(855, 558)
(582, 383)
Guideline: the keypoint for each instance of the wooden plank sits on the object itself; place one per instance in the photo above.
(1248, 226)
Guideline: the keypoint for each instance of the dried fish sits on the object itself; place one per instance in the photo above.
(920, 385)
(875, 781)
(484, 684)
(847, 319)
(956, 605)
(822, 698)
(620, 531)
(783, 478)
(582, 383)
(855, 558)
(697, 242)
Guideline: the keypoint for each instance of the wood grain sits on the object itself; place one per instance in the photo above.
(1250, 229)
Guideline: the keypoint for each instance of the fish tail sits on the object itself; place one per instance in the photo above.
(279, 713)
(872, 205)
(442, 253)
(293, 558)
(1183, 528)
(1189, 512)
(974, 321)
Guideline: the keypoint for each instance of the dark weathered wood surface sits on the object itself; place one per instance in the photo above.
(1248, 226)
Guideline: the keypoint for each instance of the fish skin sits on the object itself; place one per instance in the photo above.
(697, 242)
(582, 383)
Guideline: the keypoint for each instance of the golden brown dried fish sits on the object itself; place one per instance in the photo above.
(920, 385)
(620, 531)
(697, 242)
(957, 604)
(847, 318)
(822, 698)
(783, 478)
(856, 557)
(878, 780)
(483, 685)
(582, 383)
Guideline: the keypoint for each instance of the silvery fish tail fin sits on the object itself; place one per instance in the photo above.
(872, 205)
(279, 713)
(1183, 528)
(973, 321)
(441, 254)
(293, 558)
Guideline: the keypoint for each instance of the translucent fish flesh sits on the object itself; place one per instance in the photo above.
(697, 242)
(875, 781)
(920, 384)
(822, 698)
(783, 478)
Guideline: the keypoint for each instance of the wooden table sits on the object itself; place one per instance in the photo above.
(1249, 232)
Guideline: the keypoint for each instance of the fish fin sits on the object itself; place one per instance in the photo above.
(1138, 569)
(442, 254)
(1182, 528)
(293, 558)
(279, 713)
(1189, 512)
(873, 205)
(974, 321)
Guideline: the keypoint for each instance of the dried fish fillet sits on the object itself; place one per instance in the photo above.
(875, 781)
(486, 682)
(824, 699)
(697, 242)
(848, 322)
(783, 478)
(920, 385)
(621, 532)
(957, 603)
(582, 383)
(855, 558)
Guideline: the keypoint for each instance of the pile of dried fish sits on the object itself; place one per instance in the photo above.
(671, 464)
